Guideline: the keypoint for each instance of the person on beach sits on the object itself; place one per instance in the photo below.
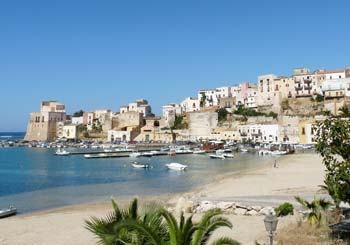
(275, 164)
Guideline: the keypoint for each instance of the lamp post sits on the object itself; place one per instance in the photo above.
(270, 222)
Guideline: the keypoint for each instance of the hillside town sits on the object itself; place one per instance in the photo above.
(276, 109)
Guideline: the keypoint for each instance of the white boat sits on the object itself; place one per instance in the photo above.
(8, 212)
(154, 152)
(107, 150)
(102, 155)
(220, 151)
(244, 150)
(227, 150)
(278, 152)
(139, 165)
(62, 152)
(147, 154)
(199, 152)
(216, 156)
(228, 155)
(87, 155)
(135, 154)
(264, 152)
(176, 166)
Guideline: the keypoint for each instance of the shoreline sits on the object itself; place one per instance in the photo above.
(297, 174)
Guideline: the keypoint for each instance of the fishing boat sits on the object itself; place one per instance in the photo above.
(6, 212)
(216, 156)
(176, 166)
(62, 152)
(140, 165)
(135, 154)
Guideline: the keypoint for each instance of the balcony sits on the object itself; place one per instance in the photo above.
(297, 81)
(308, 81)
(298, 88)
(307, 87)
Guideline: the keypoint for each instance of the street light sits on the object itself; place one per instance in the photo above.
(270, 222)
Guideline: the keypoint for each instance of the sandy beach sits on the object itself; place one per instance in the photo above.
(298, 174)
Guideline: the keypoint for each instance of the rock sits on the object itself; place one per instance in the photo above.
(225, 205)
(266, 211)
(257, 208)
(252, 213)
(184, 206)
(240, 211)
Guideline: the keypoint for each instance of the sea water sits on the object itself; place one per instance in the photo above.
(35, 179)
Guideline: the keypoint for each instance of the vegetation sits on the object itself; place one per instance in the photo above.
(319, 98)
(222, 114)
(156, 226)
(285, 104)
(333, 143)
(78, 113)
(248, 112)
(317, 208)
(344, 111)
(284, 209)
(202, 101)
(178, 123)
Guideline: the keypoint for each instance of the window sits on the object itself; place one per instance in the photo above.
(303, 131)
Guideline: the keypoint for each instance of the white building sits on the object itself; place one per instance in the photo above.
(140, 106)
(212, 96)
(190, 104)
(262, 133)
(70, 131)
(77, 120)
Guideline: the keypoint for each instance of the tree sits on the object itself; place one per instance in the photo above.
(319, 98)
(316, 210)
(344, 111)
(157, 227)
(222, 114)
(333, 143)
(78, 113)
(202, 101)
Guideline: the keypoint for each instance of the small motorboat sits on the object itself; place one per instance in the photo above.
(87, 155)
(228, 155)
(108, 150)
(244, 150)
(8, 212)
(135, 154)
(220, 151)
(62, 152)
(199, 151)
(216, 156)
(147, 154)
(102, 155)
(176, 166)
(140, 165)
(264, 152)
(278, 152)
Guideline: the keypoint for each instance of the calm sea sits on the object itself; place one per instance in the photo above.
(35, 179)
(11, 136)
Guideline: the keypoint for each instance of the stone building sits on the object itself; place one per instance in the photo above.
(42, 125)
(201, 124)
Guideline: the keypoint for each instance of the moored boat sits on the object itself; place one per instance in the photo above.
(135, 154)
(8, 212)
(140, 165)
(228, 155)
(216, 156)
(199, 151)
(176, 166)
(62, 152)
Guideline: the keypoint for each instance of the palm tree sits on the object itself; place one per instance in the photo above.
(158, 227)
(107, 231)
(317, 208)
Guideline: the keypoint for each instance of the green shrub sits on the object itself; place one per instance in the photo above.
(284, 209)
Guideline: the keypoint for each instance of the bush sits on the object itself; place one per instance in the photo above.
(284, 209)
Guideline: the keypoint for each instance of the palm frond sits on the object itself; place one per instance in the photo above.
(225, 241)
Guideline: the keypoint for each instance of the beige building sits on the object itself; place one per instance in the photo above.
(140, 106)
(201, 124)
(42, 125)
(67, 131)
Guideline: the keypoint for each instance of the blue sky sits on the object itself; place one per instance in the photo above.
(102, 54)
